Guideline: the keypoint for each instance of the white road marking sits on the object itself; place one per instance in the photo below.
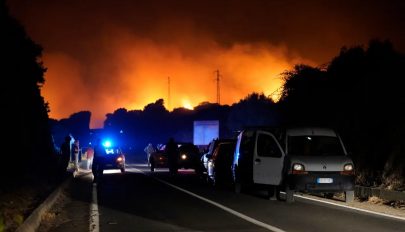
(352, 208)
(94, 225)
(229, 210)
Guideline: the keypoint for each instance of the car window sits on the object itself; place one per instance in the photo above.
(314, 146)
(267, 146)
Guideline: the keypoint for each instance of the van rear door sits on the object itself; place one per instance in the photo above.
(268, 159)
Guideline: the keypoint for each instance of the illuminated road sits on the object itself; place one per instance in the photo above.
(144, 201)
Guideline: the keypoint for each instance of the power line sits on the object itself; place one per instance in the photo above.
(168, 93)
(218, 86)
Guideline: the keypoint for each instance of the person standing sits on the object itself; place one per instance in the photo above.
(149, 150)
(65, 155)
(172, 152)
(97, 165)
(89, 156)
(75, 154)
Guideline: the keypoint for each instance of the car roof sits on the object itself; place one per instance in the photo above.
(302, 131)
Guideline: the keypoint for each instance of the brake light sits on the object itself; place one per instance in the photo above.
(120, 159)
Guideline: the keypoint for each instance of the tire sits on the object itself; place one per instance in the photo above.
(122, 170)
(349, 196)
(289, 194)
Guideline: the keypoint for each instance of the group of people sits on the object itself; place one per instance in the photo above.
(172, 152)
(70, 153)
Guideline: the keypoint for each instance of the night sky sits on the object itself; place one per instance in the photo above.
(102, 55)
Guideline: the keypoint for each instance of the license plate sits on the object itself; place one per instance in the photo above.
(324, 180)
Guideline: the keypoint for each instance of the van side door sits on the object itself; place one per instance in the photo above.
(268, 159)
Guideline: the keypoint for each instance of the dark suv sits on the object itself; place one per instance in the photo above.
(188, 157)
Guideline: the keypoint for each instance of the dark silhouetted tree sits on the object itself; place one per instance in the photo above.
(25, 114)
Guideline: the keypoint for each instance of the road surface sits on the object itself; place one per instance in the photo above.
(143, 201)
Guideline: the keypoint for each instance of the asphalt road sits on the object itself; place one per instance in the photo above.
(143, 201)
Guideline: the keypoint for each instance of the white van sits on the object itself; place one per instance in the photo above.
(307, 159)
(317, 162)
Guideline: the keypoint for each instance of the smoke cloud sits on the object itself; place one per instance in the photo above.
(131, 71)
(102, 55)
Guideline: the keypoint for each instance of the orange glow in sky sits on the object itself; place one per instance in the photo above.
(131, 72)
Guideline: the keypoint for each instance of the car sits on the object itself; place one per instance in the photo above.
(113, 158)
(309, 159)
(188, 158)
(318, 163)
(219, 164)
(211, 147)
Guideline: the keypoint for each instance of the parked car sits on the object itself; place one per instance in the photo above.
(113, 158)
(318, 162)
(189, 156)
(211, 147)
(219, 164)
(313, 160)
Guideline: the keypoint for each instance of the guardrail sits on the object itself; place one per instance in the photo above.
(389, 195)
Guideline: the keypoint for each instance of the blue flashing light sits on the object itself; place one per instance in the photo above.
(107, 143)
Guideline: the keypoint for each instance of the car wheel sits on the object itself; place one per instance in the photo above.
(349, 196)
(289, 194)
(122, 170)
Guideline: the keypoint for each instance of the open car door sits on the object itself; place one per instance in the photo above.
(268, 159)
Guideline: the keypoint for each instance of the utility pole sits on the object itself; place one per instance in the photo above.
(218, 86)
(168, 92)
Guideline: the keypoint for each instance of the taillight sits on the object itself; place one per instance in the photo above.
(120, 159)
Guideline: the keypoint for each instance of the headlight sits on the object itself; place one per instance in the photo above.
(298, 167)
(348, 167)
(120, 159)
(183, 156)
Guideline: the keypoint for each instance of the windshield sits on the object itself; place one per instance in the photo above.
(314, 146)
